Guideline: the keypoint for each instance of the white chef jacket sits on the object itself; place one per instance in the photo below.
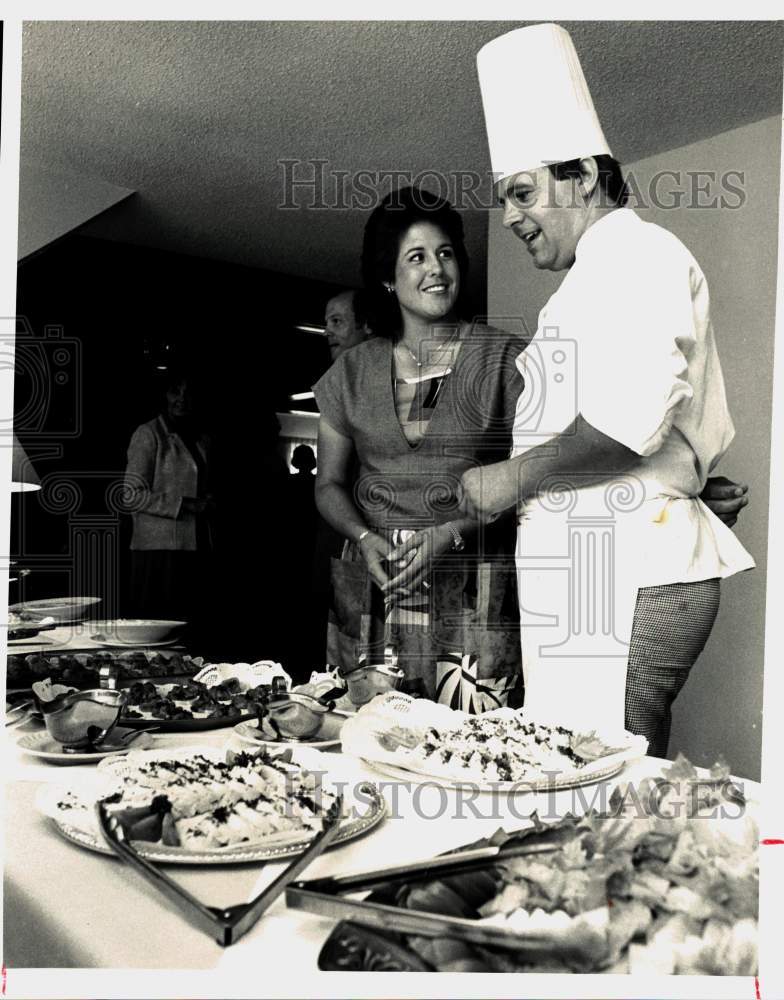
(627, 342)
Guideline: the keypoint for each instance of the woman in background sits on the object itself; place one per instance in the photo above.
(169, 492)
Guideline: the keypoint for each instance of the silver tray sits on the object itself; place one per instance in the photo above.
(568, 779)
(349, 829)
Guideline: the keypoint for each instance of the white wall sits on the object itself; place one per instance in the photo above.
(720, 710)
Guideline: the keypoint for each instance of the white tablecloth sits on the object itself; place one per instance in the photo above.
(67, 907)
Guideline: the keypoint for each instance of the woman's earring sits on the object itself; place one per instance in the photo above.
(389, 286)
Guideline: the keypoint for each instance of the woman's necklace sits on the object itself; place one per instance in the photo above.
(442, 349)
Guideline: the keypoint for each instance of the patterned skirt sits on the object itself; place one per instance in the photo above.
(458, 640)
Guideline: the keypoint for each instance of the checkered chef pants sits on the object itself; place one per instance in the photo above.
(671, 626)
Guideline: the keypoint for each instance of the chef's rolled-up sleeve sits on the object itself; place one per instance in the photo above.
(633, 377)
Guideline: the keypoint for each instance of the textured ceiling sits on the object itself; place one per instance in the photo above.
(195, 116)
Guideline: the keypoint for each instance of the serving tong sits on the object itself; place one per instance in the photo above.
(225, 924)
(326, 896)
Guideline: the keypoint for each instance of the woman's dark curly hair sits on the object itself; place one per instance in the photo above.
(387, 225)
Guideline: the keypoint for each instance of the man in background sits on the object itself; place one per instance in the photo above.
(345, 321)
(346, 325)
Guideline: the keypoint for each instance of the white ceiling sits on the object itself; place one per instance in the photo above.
(195, 116)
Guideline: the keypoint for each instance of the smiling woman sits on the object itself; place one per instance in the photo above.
(413, 408)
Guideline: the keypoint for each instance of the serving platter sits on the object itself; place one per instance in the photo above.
(72, 812)
(198, 723)
(82, 669)
(64, 610)
(664, 882)
(599, 770)
(100, 639)
(503, 751)
(248, 732)
(43, 746)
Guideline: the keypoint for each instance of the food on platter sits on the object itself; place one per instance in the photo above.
(664, 881)
(191, 700)
(671, 887)
(199, 800)
(502, 746)
(82, 670)
(296, 793)
(26, 625)
(197, 803)
(219, 691)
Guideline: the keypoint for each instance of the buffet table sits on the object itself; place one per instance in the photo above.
(67, 907)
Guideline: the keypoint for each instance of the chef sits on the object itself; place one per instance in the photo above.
(621, 418)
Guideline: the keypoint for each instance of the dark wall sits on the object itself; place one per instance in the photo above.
(116, 306)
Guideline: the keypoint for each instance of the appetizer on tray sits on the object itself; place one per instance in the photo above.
(198, 806)
(665, 881)
(498, 750)
(82, 670)
(221, 694)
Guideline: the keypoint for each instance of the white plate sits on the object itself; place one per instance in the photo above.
(64, 610)
(77, 822)
(42, 745)
(247, 732)
(100, 639)
(610, 766)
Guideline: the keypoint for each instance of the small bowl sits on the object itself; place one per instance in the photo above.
(83, 717)
(298, 717)
(138, 630)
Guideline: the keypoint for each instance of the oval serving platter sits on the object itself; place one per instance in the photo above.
(350, 829)
(569, 779)
(72, 812)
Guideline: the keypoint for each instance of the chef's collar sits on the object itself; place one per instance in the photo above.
(607, 226)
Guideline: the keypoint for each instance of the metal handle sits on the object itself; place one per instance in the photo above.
(227, 925)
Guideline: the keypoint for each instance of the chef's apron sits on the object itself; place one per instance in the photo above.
(578, 578)
(578, 560)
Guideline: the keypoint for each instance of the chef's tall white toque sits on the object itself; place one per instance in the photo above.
(538, 109)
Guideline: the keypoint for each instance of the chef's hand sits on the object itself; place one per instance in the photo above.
(725, 498)
(413, 558)
(375, 550)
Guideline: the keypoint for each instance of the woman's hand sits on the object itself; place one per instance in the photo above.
(375, 551)
(414, 558)
(725, 498)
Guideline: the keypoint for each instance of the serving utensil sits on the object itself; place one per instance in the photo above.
(21, 713)
(325, 896)
(100, 744)
(225, 924)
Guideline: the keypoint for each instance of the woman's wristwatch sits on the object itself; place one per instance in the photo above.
(458, 542)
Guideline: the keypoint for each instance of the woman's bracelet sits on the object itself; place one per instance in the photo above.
(362, 535)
